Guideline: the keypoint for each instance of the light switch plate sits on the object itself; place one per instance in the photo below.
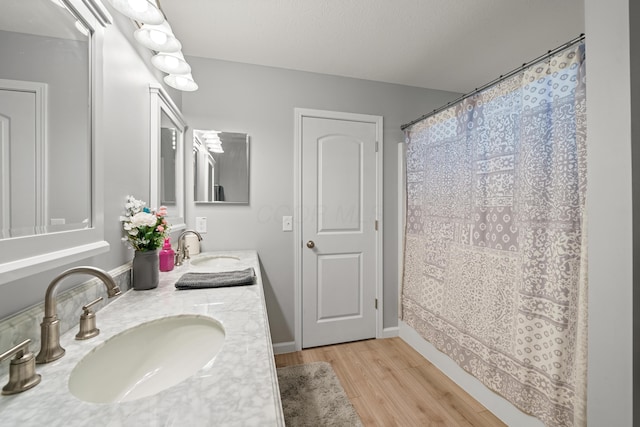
(201, 224)
(287, 223)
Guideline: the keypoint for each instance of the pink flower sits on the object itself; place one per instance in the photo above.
(160, 229)
(162, 211)
(164, 221)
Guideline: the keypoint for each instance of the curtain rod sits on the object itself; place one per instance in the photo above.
(498, 80)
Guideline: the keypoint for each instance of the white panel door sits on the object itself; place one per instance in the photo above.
(19, 205)
(338, 231)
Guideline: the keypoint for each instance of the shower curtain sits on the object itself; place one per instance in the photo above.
(495, 271)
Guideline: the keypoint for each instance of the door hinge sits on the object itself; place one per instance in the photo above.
(376, 146)
(376, 303)
(376, 225)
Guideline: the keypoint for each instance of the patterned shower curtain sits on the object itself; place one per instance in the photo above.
(495, 271)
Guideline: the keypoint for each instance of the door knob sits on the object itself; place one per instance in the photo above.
(310, 244)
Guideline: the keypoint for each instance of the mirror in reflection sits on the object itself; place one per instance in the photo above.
(168, 146)
(45, 119)
(221, 166)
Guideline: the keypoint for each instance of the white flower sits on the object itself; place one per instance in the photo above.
(143, 219)
(133, 205)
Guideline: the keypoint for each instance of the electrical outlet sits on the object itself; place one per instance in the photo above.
(201, 224)
(287, 223)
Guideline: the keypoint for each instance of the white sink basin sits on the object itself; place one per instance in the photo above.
(214, 261)
(146, 359)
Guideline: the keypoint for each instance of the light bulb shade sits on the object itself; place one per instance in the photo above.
(139, 10)
(182, 82)
(212, 139)
(171, 63)
(158, 37)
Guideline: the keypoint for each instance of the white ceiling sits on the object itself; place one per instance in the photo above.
(453, 45)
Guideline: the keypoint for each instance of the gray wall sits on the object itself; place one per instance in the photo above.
(260, 101)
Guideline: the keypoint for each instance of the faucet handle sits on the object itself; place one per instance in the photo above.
(88, 327)
(22, 370)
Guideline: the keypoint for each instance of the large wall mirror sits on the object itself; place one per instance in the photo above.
(167, 159)
(49, 67)
(45, 124)
(220, 167)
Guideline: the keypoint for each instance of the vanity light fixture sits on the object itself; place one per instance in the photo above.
(171, 63)
(158, 37)
(139, 10)
(155, 33)
(182, 82)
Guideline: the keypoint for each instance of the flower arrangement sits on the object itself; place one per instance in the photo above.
(145, 229)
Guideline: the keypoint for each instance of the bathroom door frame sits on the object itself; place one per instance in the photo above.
(299, 115)
(40, 94)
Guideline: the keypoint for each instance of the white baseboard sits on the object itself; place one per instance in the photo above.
(290, 347)
(284, 347)
(499, 406)
(390, 332)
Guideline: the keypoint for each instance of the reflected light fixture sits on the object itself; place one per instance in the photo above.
(171, 63)
(158, 37)
(212, 141)
(139, 10)
(182, 82)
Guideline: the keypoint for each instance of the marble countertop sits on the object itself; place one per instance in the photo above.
(239, 388)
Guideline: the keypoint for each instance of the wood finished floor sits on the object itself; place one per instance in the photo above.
(390, 384)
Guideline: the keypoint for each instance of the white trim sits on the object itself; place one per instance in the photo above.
(284, 347)
(20, 268)
(402, 205)
(299, 113)
(499, 406)
(5, 190)
(99, 11)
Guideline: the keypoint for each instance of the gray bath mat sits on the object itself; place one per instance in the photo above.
(313, 396)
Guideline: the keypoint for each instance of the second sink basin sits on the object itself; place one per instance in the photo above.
(147, 359)
(214, 261)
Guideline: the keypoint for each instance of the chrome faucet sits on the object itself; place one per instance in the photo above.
(50, 348)
(182, 252)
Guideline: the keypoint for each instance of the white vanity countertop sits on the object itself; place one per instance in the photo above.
(239, 389)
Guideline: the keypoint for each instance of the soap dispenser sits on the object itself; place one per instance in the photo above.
(166, 256)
